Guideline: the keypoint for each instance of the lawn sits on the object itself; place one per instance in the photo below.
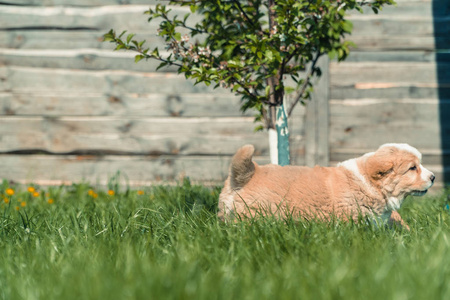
(79, 242)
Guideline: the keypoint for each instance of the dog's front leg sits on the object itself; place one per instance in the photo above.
(396, 220)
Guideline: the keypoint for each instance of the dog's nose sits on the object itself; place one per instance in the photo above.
(432, 178)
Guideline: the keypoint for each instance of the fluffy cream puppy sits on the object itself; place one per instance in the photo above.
(373, 185)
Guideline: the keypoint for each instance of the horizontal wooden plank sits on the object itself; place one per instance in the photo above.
(127, 135)
(405, 10)
(96, 59)
(81, 3)
(411, 8)
(99, 170)
(392, 91)
(85, 59)
(129, 17)
(36, 80)
(82, 39)
(131, 105)
(376, 26)
(369, 123)
(384, 43)
(184, 136)
(66, 39)
(348, 73)
(112, 82)
(97, 104)
(127, 2)
(410, 56)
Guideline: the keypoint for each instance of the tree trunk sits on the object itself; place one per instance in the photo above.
(279, 138)
(283, 136)
(278, 125)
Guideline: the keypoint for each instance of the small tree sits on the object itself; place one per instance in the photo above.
(252, 47)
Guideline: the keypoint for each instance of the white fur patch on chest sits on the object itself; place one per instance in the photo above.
(394, 203)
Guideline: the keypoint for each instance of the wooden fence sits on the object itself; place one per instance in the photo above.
(71, 109)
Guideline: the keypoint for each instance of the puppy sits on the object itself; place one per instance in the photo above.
(373, 185)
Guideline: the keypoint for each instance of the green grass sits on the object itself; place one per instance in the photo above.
(168, 244)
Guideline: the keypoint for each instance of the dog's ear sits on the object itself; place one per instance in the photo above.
(378, 165)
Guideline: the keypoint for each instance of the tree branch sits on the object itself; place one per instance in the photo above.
(157, 58)
(305, 84)
(244, 13)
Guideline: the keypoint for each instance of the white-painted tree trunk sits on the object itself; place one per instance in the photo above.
(279, 139)
(273, 146)
(282, 137)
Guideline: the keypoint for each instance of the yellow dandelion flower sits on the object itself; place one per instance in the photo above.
(50, 201)
(95, 195)
(91, 193)
(17, 207)
(36, 194)
(9, 191)
(23, 204)
(31, 189)
(111, 193)
(140, 193)
(6, 200)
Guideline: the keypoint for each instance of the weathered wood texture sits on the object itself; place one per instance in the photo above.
(316, 120)
(185, 136)
(135, 170)
(72, 109)
(78, 3)
(394, 87)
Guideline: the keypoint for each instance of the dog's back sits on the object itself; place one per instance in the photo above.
(250, 187)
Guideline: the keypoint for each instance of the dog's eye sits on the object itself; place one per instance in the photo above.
(413, 168)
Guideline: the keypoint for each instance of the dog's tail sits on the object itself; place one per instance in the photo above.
(242, 168)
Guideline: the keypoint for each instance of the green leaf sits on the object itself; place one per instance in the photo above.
(141, 43)
(123, 32)
(155, 53)
(108, 37)
(137, 58)
(259, 128)
(288, 89)
(161, 65)
(129, 37)
(347, 26)
(121, 46)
